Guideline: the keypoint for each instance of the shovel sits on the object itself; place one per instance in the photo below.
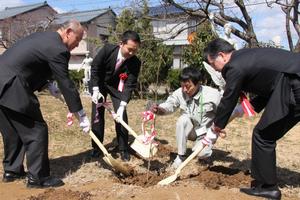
(109, 159)
(173, 177)
(144, 150)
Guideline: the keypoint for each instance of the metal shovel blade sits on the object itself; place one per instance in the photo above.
(118, 166)
(144, 150)
(108, 159)
(168, 180)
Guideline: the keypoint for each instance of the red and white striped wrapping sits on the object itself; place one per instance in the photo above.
(247, 107)
(149, 138)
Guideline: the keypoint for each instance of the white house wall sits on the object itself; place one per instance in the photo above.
(166, 29)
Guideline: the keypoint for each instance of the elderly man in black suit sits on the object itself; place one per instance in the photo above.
(273, 75)
(25, 68)
(114, 71)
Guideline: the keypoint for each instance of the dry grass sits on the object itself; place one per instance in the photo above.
(68, 143)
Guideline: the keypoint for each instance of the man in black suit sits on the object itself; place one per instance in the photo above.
(273, 75)
(25, 68)
(112, 64)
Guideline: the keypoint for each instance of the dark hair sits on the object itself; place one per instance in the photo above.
(130, 35)
(215, 47)
(190, 73)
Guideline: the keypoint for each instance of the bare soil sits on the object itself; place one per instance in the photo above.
(219, 177)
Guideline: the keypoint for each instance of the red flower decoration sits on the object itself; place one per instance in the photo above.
(123, 76)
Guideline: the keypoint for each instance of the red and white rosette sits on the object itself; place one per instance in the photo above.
(247, 107)
(123, 77)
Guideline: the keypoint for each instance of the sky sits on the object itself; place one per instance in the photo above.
(269, 23)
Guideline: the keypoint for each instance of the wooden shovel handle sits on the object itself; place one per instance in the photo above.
(191, 157)
(97, 141)
(132, 132)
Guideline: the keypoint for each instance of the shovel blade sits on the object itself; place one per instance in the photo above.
(144, 150)
(168, 180)
(118, 166)
(106, 160)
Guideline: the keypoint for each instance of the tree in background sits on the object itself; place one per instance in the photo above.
(291, 10)
(240, 17)
(193, 53)
(125, 21)
(156, 57)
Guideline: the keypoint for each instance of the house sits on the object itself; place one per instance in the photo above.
(172, 26)
(18, 22)
(97, 24)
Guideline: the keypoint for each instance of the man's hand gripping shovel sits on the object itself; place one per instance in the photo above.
(115, 164)
(173, 177)
(146, 149)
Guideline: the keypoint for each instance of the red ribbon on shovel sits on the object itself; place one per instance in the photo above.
(247, 107)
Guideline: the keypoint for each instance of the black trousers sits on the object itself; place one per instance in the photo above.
(24, 136)
(98, 127)
(263, 166)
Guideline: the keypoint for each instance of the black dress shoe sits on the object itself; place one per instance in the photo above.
(125, 156)
(261, 191)
(95, 153)
(44, 182)
(12, 176)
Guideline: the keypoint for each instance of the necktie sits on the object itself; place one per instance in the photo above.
(119, 63)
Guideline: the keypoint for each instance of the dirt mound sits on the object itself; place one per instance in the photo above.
(216, 176)
(143, 180)
(212, 177)
(52, 194)
(164, 150)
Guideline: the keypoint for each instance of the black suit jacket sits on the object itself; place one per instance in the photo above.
(104, 76)
(28, 65)
(264, 72)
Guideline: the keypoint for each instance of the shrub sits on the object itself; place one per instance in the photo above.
(173, 78)
(77, 77)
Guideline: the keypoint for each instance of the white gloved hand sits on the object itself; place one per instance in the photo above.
(210, 137)
(96, 95)
(84, 122)
(206, 150)
(120, 111)
(238, 111)
(54, 91)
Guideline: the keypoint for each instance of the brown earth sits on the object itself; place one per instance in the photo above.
(219, 177)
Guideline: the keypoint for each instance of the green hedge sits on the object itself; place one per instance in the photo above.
(77, 77)
(173, 78)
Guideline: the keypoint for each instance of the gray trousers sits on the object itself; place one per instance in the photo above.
(23, 135)
(184, 131)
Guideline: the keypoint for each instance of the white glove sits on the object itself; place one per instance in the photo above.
(210, 137)
(238, 111)
(84, 122)
(96, 95)
(120, 111)
(205, 152)
(54, 91)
